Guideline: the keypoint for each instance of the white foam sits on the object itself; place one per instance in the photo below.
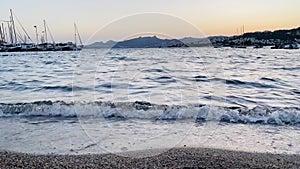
(142, 110)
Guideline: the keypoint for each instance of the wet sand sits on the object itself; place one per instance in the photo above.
(174, 158)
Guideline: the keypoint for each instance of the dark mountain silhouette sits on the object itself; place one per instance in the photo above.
(265, 38)
(149, 42)
(278, 34)
(108, 44)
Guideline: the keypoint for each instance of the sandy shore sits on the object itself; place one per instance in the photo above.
(174, 158)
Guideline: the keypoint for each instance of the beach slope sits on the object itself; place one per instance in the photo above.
(174, 158)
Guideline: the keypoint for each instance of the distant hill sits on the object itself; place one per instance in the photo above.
(149, 42)
(278, 38)
(278, 34)
(191, 40)
(108, 44)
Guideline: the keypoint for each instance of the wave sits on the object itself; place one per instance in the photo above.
(149, 111)
(24, 86)
(235, 82)
(288, 68)
(244, 83)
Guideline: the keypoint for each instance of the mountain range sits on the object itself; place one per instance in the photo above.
(149, 42)
(251, 38)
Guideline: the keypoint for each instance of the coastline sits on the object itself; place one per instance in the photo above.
(173, 158)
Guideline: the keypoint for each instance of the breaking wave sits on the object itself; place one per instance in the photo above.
(149, 111)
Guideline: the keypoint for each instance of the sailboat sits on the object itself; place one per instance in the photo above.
(243, 43)
(77, 35)
(70, 46)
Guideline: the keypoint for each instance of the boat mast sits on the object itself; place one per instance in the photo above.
(1, 35)
(77, 34)
(20, 24)
(75, 38)
(3, 32)
(45, 30)
(243, 35)
(10, 33)
(49, 32)
(79, 38)
(13, 27)
(36, 34)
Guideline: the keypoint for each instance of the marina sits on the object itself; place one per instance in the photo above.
(13, 40)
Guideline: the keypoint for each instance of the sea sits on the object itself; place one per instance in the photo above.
(123, 100)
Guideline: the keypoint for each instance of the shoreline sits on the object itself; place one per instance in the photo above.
(173, 158)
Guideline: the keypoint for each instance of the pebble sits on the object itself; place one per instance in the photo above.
(174, 158)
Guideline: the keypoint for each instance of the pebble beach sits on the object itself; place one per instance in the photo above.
(174, 158)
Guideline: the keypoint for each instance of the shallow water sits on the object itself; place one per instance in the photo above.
(118, 100)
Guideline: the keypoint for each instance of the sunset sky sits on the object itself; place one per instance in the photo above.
(212, 17)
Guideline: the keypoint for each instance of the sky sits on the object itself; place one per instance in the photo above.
(210, 17)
